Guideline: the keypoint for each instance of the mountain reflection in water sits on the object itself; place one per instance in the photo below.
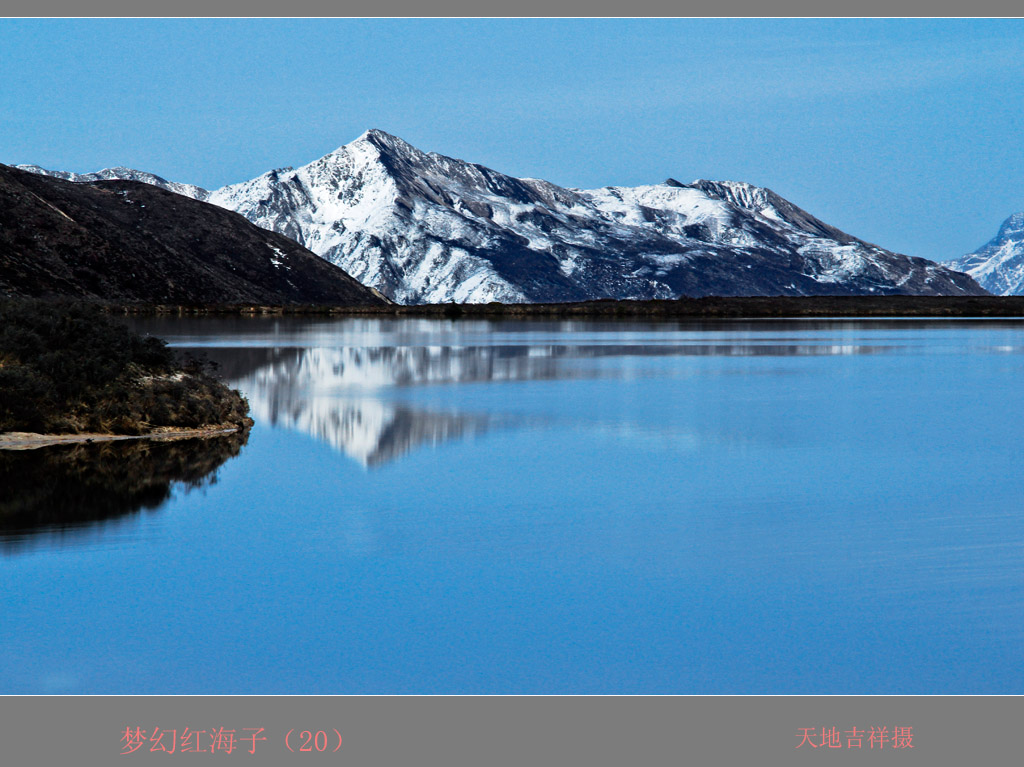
(555, 508)
(328, 394)
(66, 488)
(335, 393)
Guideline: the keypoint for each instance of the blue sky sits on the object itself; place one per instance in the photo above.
(905, 133)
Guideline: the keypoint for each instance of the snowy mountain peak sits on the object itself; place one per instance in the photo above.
(386, 141)
(1012, 228)
(998, 265)
(375, 146)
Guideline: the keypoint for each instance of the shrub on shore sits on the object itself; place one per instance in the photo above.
(68, 367)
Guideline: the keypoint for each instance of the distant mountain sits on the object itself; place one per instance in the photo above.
(998, 266)
(121, 174)
(132, 241)
(425, 228)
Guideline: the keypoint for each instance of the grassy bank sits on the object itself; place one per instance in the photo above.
(71, 367)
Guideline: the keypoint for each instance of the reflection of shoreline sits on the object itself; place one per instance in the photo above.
(68, 487)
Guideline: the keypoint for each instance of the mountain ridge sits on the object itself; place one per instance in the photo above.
(422, 227)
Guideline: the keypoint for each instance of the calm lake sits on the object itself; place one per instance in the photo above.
(543, 507)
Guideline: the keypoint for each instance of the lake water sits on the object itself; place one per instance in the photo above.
(544, 507)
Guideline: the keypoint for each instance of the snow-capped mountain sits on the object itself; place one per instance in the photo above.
(998, 266)
(122, 174)
(425, 228)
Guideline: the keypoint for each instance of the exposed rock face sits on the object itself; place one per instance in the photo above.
(134, 242)
(998, 266)
(425, 228)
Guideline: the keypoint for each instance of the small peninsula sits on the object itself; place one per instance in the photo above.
(69, 368)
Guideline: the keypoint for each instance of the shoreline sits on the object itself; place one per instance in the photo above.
(22, 440)
(711, 307)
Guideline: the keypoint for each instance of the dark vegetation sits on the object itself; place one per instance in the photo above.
(69, 367)
(72, 485)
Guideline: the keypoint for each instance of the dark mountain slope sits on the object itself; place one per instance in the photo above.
(133, 242)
